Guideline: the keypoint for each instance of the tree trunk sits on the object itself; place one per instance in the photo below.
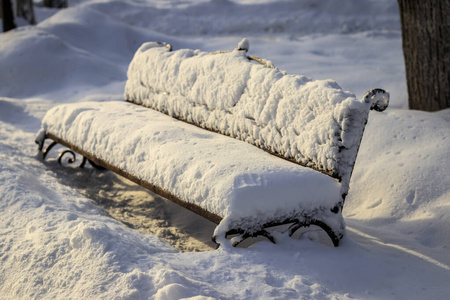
(56, 3)
(426, 48)
(25, 10)
(7, 15)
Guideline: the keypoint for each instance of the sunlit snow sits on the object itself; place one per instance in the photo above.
(61, 234)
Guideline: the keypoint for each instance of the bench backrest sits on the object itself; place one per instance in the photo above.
(313, 123)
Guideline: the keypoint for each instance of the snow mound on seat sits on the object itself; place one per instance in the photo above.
(224, 176)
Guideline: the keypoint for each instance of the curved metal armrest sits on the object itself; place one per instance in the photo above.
(378, 98)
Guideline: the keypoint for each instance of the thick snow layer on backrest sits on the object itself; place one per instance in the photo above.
(314, 123)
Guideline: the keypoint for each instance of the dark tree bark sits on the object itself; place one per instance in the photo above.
(426, 43)
(7, 16)
(56, 3)
(25, 10)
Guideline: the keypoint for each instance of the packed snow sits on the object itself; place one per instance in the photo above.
(85, 234)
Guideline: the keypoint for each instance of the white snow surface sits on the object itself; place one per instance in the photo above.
(313, 122)
(230, 178)
(56, 242)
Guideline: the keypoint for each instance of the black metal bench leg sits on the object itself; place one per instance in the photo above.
(61, 155)
(242, 236)
(47, 150)
(335, 237)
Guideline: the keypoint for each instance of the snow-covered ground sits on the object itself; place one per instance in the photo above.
(58, 235)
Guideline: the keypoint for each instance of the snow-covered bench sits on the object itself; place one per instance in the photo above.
(284, 155)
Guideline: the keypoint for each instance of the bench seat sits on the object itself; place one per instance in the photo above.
(240, 185)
